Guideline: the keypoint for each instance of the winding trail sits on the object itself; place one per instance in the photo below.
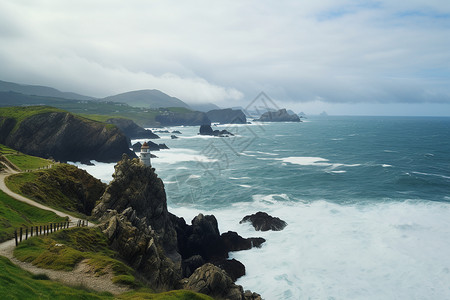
(82, 275)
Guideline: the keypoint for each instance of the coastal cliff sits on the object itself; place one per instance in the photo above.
(227, 116)
(161, 246)
(49, 132)
(278, 116)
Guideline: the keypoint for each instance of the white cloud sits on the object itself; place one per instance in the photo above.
(338, 51)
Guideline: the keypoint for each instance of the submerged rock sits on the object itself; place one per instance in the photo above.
(264, 222)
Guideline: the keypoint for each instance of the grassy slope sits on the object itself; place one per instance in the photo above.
(65, 249)
(15, 214)
(16, 283)
(57, 187)
(23, 161)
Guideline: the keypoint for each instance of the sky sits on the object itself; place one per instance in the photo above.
(386, 57)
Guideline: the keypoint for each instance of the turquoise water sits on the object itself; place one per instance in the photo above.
(366, 200)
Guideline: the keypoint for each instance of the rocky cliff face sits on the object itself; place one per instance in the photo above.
(193, 118)
(227, 116)
(133, 214)
(64, 137)
(278, 116)
(131, 129)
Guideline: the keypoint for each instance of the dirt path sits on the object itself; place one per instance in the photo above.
(80, 276)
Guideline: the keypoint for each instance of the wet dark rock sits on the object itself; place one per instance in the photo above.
(176, 131)
(264, 222)
(234, 242)
(173, 137)
(234, 268)
(207, 130)
(190, 264)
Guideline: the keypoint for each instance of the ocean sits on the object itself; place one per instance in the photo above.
(366, 199)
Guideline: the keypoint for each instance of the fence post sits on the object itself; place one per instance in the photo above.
(31, 231)
(51, 228)
(15, 237)
(40, 229)
(20, 234)
(36, 230)
(26, 233)
(48, 229)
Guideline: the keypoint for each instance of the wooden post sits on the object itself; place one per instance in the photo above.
(15, 237)
(26, 233)
(20, 238)
(40, 230)
(51, 228)
(36, 230)
(31, 231)
(48, 231)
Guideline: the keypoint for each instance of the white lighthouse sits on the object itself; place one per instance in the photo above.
(145, 155)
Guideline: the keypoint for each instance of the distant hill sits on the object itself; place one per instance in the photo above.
(38, 90)
(204, 107)
(148, 99)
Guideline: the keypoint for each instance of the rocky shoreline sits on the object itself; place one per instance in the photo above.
(169, 253)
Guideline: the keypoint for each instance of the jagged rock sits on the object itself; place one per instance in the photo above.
(191, 264)
(233, 267)
(278, 116)
(137, 196)
(176, 131)
(173, 137)
(234, 242)
(131, 129)
(134, 216)
(207, 130)
(264, 222)
(213, 281)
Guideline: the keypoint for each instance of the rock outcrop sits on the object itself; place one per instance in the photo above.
(152, 146)
(134, 213)
(264, 222)
(191, 118)
(48, 132)
(161, 246)
(278, 116)
(131, 129)
(215, 282)
(227, 116)
(207, 130)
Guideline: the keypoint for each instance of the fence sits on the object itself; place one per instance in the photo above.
(44, 229)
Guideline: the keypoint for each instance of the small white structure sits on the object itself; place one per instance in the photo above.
(144, 156)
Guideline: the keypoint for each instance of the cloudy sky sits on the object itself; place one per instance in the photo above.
(343, 56)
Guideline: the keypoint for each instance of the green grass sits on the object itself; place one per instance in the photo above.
(15, 214)
(172, 295)
(63, 187)
(16, 283)
(63, 250)
(23, 161)
(20, 113)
